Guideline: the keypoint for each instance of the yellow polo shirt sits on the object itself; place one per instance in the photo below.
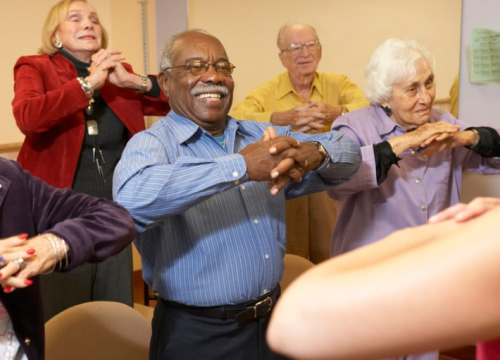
(278, 94)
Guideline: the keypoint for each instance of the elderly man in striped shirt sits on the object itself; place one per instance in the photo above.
(205, 192)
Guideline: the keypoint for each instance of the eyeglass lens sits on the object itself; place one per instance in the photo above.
(201, 67)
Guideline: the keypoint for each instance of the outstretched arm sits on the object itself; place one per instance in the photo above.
(419, 289)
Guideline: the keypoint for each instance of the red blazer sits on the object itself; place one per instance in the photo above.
(48, 107)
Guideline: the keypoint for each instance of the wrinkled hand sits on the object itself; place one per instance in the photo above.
(464, 212)
(305, 118)
(12, 249)
(422, 136)
(38, 255)
(314, 159)
(267, 155)
(104, 62)
(460, 138)
(331, 112)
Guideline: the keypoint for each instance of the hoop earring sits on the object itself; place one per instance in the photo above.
(387, 109)
(58, 44)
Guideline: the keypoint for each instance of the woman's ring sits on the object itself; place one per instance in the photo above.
(2, 260)
(20, 261)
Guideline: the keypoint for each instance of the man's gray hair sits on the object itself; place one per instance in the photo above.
(393, 62)
(289, 24)
(168, 45)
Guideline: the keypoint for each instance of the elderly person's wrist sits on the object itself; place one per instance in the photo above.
(60, 249)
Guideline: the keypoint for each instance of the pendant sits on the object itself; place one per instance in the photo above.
(92, 128)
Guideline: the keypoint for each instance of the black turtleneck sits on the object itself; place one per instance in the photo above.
(111, 140)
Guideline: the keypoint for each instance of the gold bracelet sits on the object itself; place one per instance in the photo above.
(144, 84)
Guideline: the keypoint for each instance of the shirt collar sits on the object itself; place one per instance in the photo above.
(185, 129)
(286, 86)
(385, 125)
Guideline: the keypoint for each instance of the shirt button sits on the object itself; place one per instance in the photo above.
(243, 187)
(256, 221)
(235, 174)
(0, 186)
(236, 182)
(412, 153)
(265, 291)
(418, 180)
(266, 256)
(27, 341)
(423, 208)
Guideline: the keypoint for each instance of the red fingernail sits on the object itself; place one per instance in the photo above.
(30, 251)
(28, 282)
(1, 275)
(7, 289)
(23, 236)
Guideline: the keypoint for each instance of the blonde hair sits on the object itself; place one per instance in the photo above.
(56, 15)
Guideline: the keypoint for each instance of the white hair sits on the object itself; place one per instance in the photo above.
(392, 62)
(168, 45)
(290, 24)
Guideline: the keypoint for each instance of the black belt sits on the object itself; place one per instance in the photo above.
(241, 313)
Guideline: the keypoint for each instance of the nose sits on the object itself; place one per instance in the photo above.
(211, 75)
(304, 50)
(88, 24)
(424, 95)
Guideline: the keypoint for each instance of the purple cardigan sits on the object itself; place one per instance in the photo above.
(93, 228)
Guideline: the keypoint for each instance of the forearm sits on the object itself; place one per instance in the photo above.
(378, 301)
(38, 111)
(152, 191)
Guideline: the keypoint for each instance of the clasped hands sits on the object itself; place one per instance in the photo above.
(434, 137)
(280, 159)
(106, 64)
(21, 259)
(311, 117)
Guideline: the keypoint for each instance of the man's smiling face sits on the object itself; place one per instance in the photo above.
(204, 99)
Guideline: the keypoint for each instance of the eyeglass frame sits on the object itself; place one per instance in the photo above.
(189, 67)
(299, 47)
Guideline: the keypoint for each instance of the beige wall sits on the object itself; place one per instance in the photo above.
(349, 31)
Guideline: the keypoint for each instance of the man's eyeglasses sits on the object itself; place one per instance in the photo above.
(200, 67)
(296, 49)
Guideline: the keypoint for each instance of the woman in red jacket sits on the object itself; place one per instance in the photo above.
(78, 104)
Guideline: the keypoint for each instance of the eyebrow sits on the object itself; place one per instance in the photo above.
(202, 59)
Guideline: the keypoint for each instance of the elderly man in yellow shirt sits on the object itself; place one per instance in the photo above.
(308, 101)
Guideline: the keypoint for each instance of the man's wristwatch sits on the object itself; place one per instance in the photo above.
(345, 110)
(322, 149)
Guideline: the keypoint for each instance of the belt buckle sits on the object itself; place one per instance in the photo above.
(262, 307)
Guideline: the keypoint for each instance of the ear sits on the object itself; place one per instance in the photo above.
(282, 59)
(163, 83)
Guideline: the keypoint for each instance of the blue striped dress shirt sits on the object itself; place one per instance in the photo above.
(207, 235)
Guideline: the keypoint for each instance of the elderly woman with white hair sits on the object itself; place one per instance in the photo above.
(429, 147)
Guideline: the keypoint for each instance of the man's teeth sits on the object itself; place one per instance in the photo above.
(204, 96)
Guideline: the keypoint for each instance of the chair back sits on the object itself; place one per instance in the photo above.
(98, 330)
(294, 266)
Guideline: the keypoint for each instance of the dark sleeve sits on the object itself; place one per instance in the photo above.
(489, 142)
(155, 89)
(93, 228)
(384, 159)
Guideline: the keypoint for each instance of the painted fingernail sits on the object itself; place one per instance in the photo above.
(30, 251)
(7, 289)
(23, 236)
(28, 282)
(1, 275)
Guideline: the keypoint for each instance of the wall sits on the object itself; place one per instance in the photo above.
(478, 104)
(349, 31)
